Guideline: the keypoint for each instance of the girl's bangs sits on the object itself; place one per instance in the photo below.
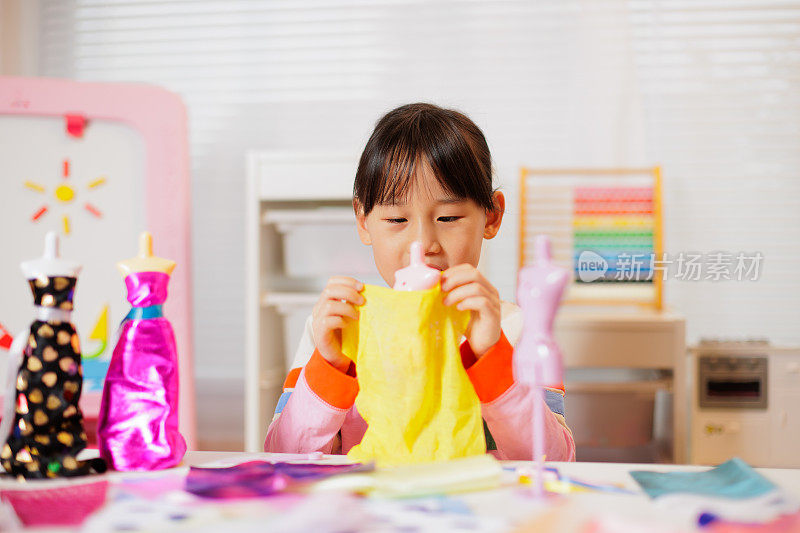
(398, 172)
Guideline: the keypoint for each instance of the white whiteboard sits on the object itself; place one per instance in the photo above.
(33, 149)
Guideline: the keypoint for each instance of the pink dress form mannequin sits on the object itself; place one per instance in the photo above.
(537, 359)
(138, 425)
(416, 276)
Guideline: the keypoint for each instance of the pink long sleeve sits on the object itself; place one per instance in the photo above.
(513, 410)
(307, 424)
(315, 412)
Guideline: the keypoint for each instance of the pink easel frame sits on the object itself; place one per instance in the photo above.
(160, 117)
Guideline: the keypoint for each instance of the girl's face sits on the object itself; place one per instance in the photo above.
(451, 230)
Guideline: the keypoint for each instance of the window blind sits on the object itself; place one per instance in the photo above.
(720, 83)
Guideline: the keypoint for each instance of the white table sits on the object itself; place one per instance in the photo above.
(496, 506)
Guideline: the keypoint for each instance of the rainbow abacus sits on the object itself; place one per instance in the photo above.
(616, 223)
(609, 219)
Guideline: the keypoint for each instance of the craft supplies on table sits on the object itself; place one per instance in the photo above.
(600, 497)
(732, 490)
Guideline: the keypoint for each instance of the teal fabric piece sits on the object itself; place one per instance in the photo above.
(151, 311)
(732, 479)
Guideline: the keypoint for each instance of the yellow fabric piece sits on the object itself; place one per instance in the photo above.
(414, 393)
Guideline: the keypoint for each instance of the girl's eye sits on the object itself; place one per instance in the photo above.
(395, 220)
(448, 219)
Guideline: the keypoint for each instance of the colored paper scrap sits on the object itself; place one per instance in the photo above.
(75, 125)
(5, 338)
(93, 210)
(34, 186)
(731, 479)
(560, 483)
(39, 213)
(789, 523)
(480, 472)
(99, 333)
(255, 479)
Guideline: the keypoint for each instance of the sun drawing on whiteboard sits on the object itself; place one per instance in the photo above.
(65, 194)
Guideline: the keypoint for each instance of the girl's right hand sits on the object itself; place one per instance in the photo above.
(336, 304)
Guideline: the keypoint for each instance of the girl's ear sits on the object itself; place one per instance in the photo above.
(495, 217)
(361, 223)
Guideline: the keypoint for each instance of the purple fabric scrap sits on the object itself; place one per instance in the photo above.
(255, 479)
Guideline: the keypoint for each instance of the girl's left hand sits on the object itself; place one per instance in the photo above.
(468, 289)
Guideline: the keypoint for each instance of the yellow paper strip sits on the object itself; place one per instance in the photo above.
(66, 225)
(35, 186)
(96, 183)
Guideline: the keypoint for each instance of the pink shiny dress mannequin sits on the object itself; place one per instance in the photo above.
(138, 424)
(537, 359)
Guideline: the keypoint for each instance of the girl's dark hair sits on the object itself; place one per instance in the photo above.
(449, 142)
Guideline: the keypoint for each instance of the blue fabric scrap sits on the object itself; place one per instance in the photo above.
(733, 479)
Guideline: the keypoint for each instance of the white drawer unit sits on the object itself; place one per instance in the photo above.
(300, 231)
(745, 403)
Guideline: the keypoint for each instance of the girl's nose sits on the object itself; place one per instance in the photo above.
(426, 234)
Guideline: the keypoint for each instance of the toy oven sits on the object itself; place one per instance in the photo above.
(735, 382)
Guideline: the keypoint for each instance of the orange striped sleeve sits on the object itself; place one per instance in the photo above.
(492, 374)
(291, 379)
(333, 386)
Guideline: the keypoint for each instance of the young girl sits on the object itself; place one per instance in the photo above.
(425, 175)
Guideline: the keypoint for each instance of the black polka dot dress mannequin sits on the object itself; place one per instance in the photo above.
(47, 431)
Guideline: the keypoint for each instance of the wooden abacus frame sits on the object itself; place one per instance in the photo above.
(657, 301)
